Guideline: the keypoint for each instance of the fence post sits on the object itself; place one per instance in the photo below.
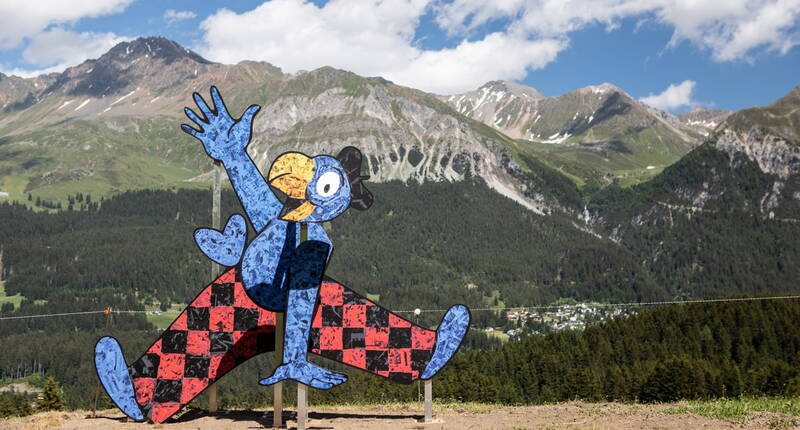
(302, 389)
(107, 313)
(215, 215)
(428, 401)
(277, 390)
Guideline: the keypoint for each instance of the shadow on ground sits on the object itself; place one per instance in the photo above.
(265, 418)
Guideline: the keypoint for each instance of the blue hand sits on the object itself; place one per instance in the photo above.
(226, 139)
(222, 136)
(224, 248)
(305, 373)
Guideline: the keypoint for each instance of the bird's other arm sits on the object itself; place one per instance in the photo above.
(226, 140)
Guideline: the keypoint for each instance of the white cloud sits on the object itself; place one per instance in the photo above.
(730, 29)
(371, 39)
(172, 15)
(471, 64)
(56, 49)
(675, 96)
(376, 37)
(21, 19)
(68, 48)
(30, 73)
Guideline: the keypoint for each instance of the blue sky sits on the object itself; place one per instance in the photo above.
(726, 54)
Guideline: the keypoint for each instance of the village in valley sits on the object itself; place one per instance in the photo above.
(524, 322)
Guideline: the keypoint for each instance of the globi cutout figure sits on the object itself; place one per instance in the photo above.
(233, 318)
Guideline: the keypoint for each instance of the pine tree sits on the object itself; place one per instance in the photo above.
(51, 398)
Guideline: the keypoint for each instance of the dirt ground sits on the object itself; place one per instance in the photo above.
(573, 415)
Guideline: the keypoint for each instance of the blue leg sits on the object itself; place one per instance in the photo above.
(449, 335)
(113, 373)
(305, 277)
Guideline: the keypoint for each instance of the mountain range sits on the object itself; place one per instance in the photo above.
(112, 123)
(598, 132)
(706, 201)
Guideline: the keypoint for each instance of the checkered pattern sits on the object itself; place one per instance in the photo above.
(222, 328)
(350, 329)
(219, 330)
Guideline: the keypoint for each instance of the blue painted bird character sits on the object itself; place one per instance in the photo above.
(279, 273)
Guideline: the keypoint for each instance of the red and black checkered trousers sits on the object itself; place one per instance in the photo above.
(352, 330)
(222, 328)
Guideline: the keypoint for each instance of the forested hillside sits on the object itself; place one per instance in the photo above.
(419, 246)
(667, 353)
(424, 246)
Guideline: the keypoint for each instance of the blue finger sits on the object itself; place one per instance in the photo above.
(219, 105)
(247, 116)
(193, 116)
(202, 105)
(189, 130)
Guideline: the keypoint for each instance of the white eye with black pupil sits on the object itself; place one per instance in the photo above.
(328, 184)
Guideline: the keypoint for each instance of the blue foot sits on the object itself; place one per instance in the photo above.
(449, 335)
(305, 373)
(113, 373)
(224, 248)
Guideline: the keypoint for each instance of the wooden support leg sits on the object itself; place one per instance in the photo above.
(212, 398)
(428, 401)
(302, 406)
(216, 194)
(277, 398)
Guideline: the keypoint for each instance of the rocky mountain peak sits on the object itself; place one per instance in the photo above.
(604, 88)
(158, 48)
(703, 118)
(513, 88)
(128, 63)
(781, 119)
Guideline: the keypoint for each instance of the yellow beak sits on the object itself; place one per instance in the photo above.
(291, 173)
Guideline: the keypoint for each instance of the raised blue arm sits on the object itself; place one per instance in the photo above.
(226, 140)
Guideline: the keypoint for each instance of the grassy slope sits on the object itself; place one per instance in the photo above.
(740, 409)
(16, 299)
(608, 162)
(98, 158)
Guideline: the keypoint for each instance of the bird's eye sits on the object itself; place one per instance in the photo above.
(328, 184)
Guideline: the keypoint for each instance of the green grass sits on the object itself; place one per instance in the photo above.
(99, 158)
(16, 299)
(35, 381)
(498, 334)
(739, 409)
(164, 319)
(626, 161)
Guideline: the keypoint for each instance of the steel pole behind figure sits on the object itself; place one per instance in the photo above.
(215, 216)
(107, 313)
(277, 390)
(428, 401)
(302, 389)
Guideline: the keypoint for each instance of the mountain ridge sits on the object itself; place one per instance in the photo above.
(138, 89)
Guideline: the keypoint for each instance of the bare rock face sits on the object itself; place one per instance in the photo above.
(404, 139)
(768, 135)
(772, 153)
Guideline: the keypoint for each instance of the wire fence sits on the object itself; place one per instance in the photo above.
(492, 309)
